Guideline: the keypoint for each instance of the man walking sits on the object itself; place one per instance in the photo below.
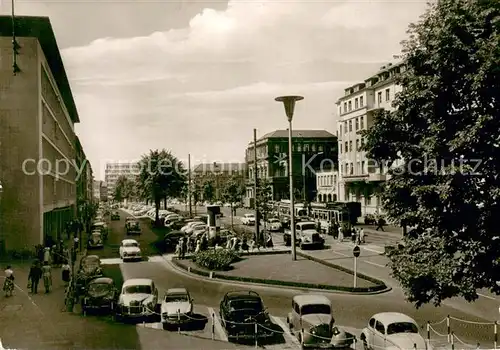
(34, 276)
(380, 224)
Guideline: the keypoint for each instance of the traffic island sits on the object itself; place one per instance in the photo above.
(279, 270)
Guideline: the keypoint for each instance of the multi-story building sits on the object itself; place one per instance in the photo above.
(103, 192)
(327, 182)
(96, 190)
(37, 137)
(84, 177)
(312, 150)
(218, 174)
(115, 170)
(359, 176)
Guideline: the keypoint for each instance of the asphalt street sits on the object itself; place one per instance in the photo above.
(349, 310)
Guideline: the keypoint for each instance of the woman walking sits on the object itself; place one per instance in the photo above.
(8, 285)
(47, 276)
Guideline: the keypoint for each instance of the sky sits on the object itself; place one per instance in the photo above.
(196, 77)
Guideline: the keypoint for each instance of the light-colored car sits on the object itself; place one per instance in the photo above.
(312, 313)
(248, 219)
(196, 229)
(307, 235)
(95, 240)
(176, 307)
(392, 331)
(273, 225)
(138, 298)
(129, 250)
(191, 224)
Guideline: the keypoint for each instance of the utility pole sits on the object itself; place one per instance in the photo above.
(255, 179)
(189, 186)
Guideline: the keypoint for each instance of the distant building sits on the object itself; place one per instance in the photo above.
(312, 151)
(96, 190)
(327, 186)
(114, 170)
(356, 110)
(103, 192)
(37, 117)
(218, 173)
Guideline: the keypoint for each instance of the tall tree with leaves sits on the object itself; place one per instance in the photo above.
(209, 190)
(232, 193)
(264, 200)
(161, 175)
(444, 132)
(124, 189)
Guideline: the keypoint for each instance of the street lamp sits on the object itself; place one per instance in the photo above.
(289, 104)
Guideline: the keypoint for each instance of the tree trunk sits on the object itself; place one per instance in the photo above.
(157, 211)
(165, 203)
(232, 216)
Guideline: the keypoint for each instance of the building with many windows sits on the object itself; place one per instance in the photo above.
(37, 137)
(114, 170)
(312, 150)
(327, 185)
(359, 176)
(218, 174)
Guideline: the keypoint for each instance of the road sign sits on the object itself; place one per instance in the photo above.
(356, 251)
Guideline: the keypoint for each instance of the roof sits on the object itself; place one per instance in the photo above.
(137, 282)
(307, 299)
(129, 241)
(219, 167)
(306, 223)
(390, 317)
(106, 280)
(41, 29)
(242, 294)
(297, 134)
(177, 291)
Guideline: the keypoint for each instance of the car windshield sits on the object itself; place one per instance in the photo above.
(130, 244)
(253, 306)
(99, 288)
(402, 327)
(142, 289)
(133, 223)
(90, 263)
(308, 226)
(315, 309)
(176, 298)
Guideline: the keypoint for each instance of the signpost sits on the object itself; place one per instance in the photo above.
(356, 252)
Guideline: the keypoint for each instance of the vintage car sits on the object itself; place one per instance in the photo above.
(133, 227)
(273, 225)
(307, 236)
(101, 227)
(95, 240)
(392, 331)
(172, 238)
(312, 322)
(240, 311)
(90, 268)
(248, 219)
(138, 299)
(176, 307)
(101, 294)
(129, 250)
(115, 215)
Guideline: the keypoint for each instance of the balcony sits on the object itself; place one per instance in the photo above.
(376, 177)
(355, 178)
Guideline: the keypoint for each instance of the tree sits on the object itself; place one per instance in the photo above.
(208, 190)
(124, 189)
(232, 192)
(161, 176)
(442, 143)
(263, 200)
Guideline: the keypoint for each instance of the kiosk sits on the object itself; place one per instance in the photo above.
(213, 212)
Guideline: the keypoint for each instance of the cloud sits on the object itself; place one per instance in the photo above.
(202, 88)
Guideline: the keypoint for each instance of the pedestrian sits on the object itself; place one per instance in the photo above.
(8, 285)
(188, 245)
(198, 246)
(183, 248)
(34, 276)
(362, 235)
(380, 224)
(76, 242)
(66, 273)
(54, 256)
(341, 234)
(47, 276)
(46, 255)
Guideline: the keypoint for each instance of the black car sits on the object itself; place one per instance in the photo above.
(172, 238)
(115, 215)
(133, 227)
(240, 311)
(100, 294)
(90, 268)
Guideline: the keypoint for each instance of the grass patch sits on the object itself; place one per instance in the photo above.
(115, 273)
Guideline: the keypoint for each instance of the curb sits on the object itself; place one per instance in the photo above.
(378, 289)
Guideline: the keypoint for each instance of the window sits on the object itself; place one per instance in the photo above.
(350, 106)
(352, 169)
(350, 146)
(379, 97)
(357, 145)
(306, 147)
(313, 147)
(372, 322)
(277, 148)
(320, 148)
(356, 103)
(340, 147)
(345, 107)
(299, 148)
(346, 149)
(357, 124)
(362, 167)
(380, 327)
(402, 327)
(341, 129)
(350, 125)
(345, 127)
(361, 101)
(362, 142)
(358, 166)
(361, 122)
(341, 168)
(387, 94)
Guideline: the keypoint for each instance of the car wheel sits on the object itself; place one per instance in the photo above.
(365, 344)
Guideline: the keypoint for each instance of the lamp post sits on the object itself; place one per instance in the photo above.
(2, 243)
(289, 104)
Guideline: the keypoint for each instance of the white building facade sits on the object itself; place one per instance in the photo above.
(327, 182)
(359, 176)
(114, 170)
